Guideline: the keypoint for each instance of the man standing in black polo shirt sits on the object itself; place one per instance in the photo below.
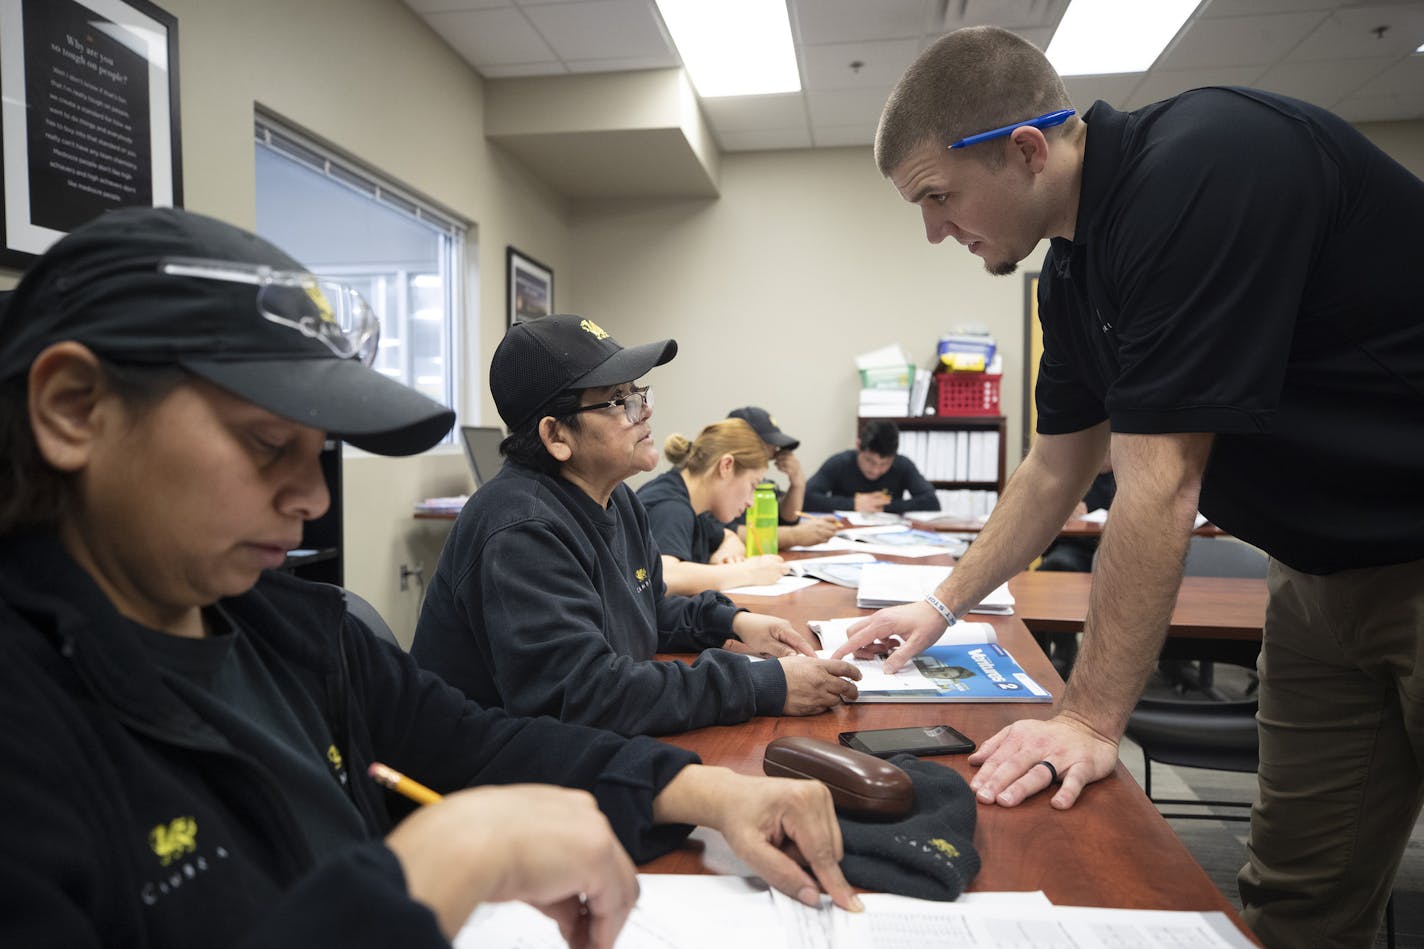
(1229, 308)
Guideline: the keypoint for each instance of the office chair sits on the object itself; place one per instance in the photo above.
(1207, 730)
(358, 607)
(1190, 663)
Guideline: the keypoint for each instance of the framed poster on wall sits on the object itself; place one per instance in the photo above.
(531, 287)
(90, 116)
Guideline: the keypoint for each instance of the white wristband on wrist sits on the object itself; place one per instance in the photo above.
(949, 618)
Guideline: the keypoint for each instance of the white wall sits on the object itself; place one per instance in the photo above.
(808, 258)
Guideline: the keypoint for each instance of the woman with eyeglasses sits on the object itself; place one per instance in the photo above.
(711, 483)
(188, 730)
(549, 597)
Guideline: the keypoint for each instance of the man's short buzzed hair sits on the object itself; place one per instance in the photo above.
(879, 438)
(972, 80)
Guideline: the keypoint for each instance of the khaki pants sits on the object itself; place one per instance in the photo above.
(1342, 753)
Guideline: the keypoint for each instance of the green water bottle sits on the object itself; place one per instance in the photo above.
(761, 521)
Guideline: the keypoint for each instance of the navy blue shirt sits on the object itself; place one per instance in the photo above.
(679, 530)
(836, 483)
(1246, 264)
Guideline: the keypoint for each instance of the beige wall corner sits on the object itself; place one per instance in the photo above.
(607, 135)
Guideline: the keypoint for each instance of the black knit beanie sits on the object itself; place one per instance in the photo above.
(927, 854)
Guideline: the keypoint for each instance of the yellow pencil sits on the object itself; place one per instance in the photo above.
(399, 783)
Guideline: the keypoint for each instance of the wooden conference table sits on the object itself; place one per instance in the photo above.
(1073, 527)
(1111, 849)
(1207, 607)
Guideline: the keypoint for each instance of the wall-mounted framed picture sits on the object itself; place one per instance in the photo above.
(90, 116)
(531, 287)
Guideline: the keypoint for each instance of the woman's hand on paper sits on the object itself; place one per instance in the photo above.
(761, 571)
(1010, 771)
(817, 685)
(770, 823)
(770, 637)
(547, 846)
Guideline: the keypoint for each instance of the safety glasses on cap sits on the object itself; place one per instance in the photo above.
(325, 310)
(632, 404)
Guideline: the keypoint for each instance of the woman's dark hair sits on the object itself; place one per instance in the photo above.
(523, 446)
(880, 438)
(32, 493)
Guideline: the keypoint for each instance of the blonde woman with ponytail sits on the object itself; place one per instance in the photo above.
(711, 483)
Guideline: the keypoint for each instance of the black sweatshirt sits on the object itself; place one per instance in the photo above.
(546, 603)
(836, 483)
(128, 819)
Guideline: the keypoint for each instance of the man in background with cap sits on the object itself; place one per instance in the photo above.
(549, 596)
(189, 730)
(792, 530)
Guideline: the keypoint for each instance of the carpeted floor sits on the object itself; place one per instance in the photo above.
(1220, 846)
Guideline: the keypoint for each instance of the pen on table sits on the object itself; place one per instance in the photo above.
(399, 783)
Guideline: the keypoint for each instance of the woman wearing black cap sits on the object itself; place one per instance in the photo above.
(549, 598)
(188, 733)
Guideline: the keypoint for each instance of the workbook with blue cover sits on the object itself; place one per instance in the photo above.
(966, 664)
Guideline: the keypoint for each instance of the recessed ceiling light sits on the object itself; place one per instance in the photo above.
(1115, 36)
(734, 47)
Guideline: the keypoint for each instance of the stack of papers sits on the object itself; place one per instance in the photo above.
(869, 518)
(714, 911)
(966, 664)
(451, 505)
(901, 540)
(886, 584)
(886, 376)
(843, 570)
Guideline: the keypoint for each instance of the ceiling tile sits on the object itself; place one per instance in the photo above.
(520, 70)
(492, 37)
(1349, 33)
(1322, 83)
(756, 113)
(1083, 91)
(883, 63)
(1318, 50)
(835, 136)
(1381, 108)
(600, 29)
(1220, 8)
(449, 6)
(1404, 78)
(763, 141)
(626, 64)
(1012, 14)
(844, 21)
(1163, 83)
(846, 107)
(1239, 41)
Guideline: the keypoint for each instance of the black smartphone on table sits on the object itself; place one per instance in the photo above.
(917, 740)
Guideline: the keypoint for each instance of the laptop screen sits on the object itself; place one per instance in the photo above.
(482, 450)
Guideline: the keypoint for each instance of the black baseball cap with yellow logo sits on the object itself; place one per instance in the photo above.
(541, 358)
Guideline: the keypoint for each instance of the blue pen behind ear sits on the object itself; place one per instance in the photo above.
(1047, 120)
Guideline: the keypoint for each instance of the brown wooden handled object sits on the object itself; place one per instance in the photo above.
(860, 784)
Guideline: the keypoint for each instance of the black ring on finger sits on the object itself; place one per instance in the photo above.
(1052, 771)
